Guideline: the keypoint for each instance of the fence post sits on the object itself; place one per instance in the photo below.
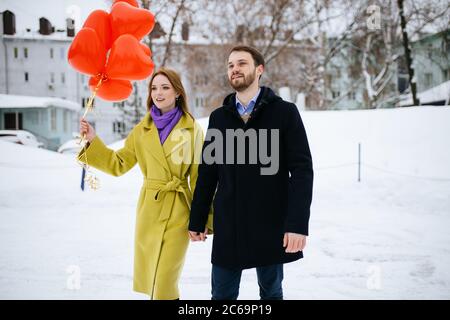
(359, 162)
(83, 174)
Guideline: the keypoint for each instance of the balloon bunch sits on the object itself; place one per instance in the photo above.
(108, 49)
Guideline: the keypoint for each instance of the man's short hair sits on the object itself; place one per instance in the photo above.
(256, 55)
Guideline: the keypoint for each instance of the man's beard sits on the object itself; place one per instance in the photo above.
(244, 82)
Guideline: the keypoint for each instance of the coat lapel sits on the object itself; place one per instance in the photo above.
(152, 143)
(179, 135)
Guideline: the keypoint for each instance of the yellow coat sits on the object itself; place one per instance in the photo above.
(161, 235)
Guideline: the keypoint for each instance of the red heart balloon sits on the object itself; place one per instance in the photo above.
(128, 60)
(146, 49)
(132, 2)
(126, 19)
(99, 21)
(87, 53)
(111, 89)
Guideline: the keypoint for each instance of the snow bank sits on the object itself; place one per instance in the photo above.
(385, 237)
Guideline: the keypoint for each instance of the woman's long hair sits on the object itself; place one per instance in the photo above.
(175, 80)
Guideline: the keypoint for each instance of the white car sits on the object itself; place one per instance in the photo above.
(70, 147)
(20, 137)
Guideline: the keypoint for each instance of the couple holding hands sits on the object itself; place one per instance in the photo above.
(259, 220)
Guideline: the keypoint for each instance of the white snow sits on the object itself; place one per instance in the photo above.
(17, 101)
(385, 237)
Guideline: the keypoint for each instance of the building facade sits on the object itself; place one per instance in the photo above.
(34, 63)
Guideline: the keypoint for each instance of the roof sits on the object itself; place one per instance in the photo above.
(431, 35)
(435, 94)
(14, 101)
(35, 35)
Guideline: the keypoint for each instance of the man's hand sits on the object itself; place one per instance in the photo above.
(294, 242)
(198, 236)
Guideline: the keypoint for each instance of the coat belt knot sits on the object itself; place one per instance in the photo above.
(165, 187)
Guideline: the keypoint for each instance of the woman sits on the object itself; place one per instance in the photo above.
(165, 144)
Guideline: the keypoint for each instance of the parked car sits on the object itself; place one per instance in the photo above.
(20, 137)
(70, 147)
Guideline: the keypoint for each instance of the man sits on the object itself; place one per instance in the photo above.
(260, 217)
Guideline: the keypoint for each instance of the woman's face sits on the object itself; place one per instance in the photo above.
(163, 94)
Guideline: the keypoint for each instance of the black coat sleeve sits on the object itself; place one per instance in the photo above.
(301, 173)
(205, 188)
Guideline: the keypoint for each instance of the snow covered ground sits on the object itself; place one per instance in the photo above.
(385, 237)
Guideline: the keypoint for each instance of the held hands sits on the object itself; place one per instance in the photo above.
(198, 236)
(87, 129)
(294, 242)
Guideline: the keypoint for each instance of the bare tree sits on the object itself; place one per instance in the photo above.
(302, 40)
(407, 50)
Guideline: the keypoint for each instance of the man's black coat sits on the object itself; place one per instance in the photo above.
(253, 211)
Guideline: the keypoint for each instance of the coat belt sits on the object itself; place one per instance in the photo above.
(164, 187)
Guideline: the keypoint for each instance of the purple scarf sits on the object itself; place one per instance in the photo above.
(165, 122)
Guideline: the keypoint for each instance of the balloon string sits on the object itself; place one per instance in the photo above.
(92, 97)
(92, 181)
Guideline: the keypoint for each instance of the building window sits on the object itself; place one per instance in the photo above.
(119, 104)
(26, 76)
(200, 102)
(66, 120)
(335, 94)
(118, 127)
(84, 102)
(16, 53)
(338, 72)
(51, 53)
(201, 80)
(63, 77)
(33, 117)
(430, 50)
(428, 79)
(13, 121)
(25, 52)
(328, 79)
(52, 77)
(53, 119)
(62, 54)
(446, 74)
(352, 96)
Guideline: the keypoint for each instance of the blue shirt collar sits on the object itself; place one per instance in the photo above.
(240, 106)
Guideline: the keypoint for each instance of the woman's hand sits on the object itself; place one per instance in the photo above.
(87, 129)
(198, 236)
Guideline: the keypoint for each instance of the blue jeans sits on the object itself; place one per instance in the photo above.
(225, 282)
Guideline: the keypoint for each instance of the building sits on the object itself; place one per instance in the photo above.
(431, 60)
(52, 120)
(34, 63)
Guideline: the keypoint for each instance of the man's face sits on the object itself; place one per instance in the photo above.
(242, 71)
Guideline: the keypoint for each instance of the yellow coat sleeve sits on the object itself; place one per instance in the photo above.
(115, 163)
(197, 145)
